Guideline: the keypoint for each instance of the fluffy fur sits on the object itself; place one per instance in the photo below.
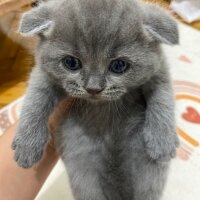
(118, 145)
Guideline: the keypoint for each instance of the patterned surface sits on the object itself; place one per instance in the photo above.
(184, 176)
(184, 60)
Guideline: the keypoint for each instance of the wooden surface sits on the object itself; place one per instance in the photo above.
(15, 60)
(11, 5)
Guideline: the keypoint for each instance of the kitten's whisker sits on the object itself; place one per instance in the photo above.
(117, 110)
(112, 118)
(124, 109)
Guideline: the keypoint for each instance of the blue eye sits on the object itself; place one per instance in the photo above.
(118, 66)
(71, 63)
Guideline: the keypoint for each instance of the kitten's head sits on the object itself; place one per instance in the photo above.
(98, 49)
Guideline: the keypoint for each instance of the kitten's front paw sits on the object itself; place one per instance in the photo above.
(162, 149)
(26, 155)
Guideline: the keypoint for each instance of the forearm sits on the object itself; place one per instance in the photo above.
(159, 128)
(39, 102)
(32, 131)
(24, 184)
(160, 101)
(17, 183)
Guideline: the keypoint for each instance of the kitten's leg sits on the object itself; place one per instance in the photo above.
(84, 178)
(159, 130)
(80, 155)
(149, 178)
(32, 131)
(85, 183)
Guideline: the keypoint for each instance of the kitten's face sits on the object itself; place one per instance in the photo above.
(97, 51)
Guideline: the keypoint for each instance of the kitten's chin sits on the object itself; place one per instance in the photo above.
(96, 98)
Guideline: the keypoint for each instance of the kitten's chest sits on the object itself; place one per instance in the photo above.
(97, 120)
(105, 119)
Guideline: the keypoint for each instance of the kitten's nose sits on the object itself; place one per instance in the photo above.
(94, 91)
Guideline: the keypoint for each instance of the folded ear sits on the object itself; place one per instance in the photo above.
(160, 26)
(36, 21)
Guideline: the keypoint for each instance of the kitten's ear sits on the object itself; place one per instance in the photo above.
(36, 21)
(159, 26)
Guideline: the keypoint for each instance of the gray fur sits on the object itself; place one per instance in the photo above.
(118, 145)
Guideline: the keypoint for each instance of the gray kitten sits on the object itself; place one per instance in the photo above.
(119, 137)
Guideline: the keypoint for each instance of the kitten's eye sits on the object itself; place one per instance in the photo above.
(72, 63)
(118, 66)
